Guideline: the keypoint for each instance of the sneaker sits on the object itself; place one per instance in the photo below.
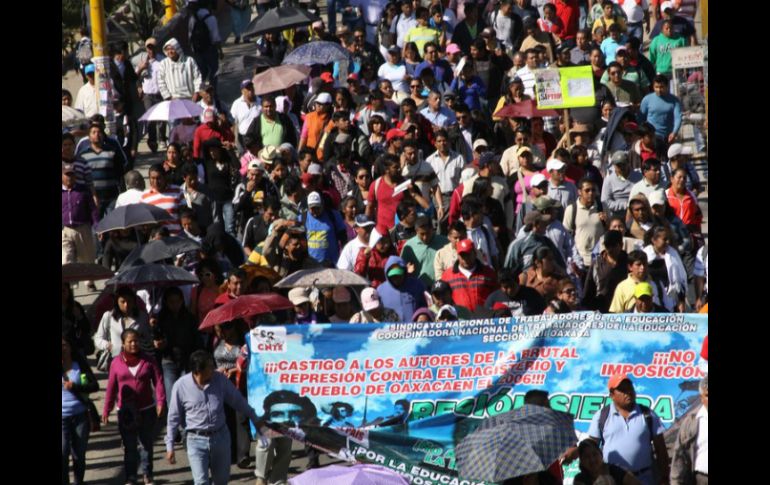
(153, 146)
(91, 287)
(244, 463)
(237, 40)
(147, 480)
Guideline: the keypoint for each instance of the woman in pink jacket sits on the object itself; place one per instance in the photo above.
(136, 383)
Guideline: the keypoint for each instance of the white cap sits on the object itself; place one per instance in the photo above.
(657, 197)
(554, 164)
(324, 98)
(536, 180)
(315, 169)
(298, 296)
(254, 164)
(370, 299)
(666, 5)
(313, 199)
(480, 143)
(678, 149)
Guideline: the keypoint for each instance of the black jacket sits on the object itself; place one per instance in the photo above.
(478, 130)
(462, 36)
(254, 133)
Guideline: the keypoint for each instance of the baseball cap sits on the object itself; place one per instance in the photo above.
(616, 379)
(314, 199)
(394, 48)
(394, 133)
(363, 221)
(353, 76)
(448, 308)
(523, 150)
(643, 289)
(534, 217)
(555, 164)
(208, 115)
(564, 47)
(666, 5)
(246, 83)
(480, 143)
(327, 77)
(677, 149)
(67, 167)
(465, 246)
(486, 159)
(449, 95)
(537, 180)
(657, 198)
(315, 169)
(254, 164)
(150, 41)
(453, 49)
(89, 69)
(370, 299)
(323, 98)
(307, 179)
(268, 154)
(440, 286)
(396, 271)
(620, 158)
(298, 296)
(341, 295)
(544, 202)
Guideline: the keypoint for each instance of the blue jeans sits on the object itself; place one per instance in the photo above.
(74, 441)
(331, 10)
(144, 436)
(171, 372)
(636, 30)
(224, 212)
(241, 19)
(209, 452)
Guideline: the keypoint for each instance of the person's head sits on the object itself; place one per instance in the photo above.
(615, 72)
(66, 98)
(660, 85)
(447, 313)
(568, 293)
(531, 58)
(441, 293)
(118, 51)
(651, 170)
(424, 227)
(235, 281)
(607, 106)
(679, 180)
(614, 31)
(396, 274)
(544, 261)
(622, 391)
(415, 87)
(556, 168)
(621, 163)
(463, 114)
(202, 367)
(130, 341)
(386, 88)
(125, 303)
(157, 178)
(667, 28)
(268, 107)
(643, 297)
(466, 254)
(640, 210)
(410, 152)
(324, 103)
(190, 175)
(68, 178)
(587, 192)
(472, 211)
(189, 221)
(394, 54)
(632, 47)
(391, 164)
(173, 300)
(341, 121)
(519, 59)
(583, 38)
(637, 265)
(659, 238)
(613, 241)
(407, 8)
(597, 57)
(471, 13)
(537, 397)
(591, 459)
(96, 133)
(607, 8)
(299, 298)
(371, 302)
(703, 390)
(509, 281)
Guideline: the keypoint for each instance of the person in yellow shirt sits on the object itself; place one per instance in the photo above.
(608, 18)
(624, 299)
(422, 34)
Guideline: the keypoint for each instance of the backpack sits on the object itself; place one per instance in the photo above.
(84, 52)
(597, 204)
(200, 37)
(604, 414)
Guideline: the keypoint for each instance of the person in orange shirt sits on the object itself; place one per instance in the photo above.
(316, 122)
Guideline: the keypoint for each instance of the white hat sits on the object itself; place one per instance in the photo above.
(666, 5)
(324, 98)
(370, 299)
(480, 143)
(536, 180)
(657, 197)
(254, 164)
(678, 149)
(315, 169)
(448, 308)
(313, 199)
(555, 164)
(298, 296)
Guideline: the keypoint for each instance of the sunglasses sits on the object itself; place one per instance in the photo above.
(415, 86)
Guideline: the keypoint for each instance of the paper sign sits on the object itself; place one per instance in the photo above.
(567, 87)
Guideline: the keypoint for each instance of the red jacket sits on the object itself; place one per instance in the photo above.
(471, 292)
(569, 14)
(204, 133)
(124, 386)
(373, 266)
(686, 209)
(455, 203)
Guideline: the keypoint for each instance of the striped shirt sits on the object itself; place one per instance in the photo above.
(528, 79)
(82, 172)
(180, 79)
(106, 170)
(170, 200)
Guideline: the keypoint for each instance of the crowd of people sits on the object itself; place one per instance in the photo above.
(397, 165)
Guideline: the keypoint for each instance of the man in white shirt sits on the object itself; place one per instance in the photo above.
(394, 70)
(448, 165)
(134, 189)
(147, 70)
(526, 75)
(363, 227)
(403, 23)
(638, 13)
(439, 116)
(86, 99)
(178, 74)
(245, 109)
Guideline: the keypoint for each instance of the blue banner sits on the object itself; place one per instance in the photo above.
(403, 395)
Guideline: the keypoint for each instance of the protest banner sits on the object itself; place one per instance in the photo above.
(565, 87)
(403, 395)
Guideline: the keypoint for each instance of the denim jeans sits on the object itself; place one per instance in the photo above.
(144, 435)
(240, 19)
(74, 441)
(636, 30)
(331, 6)
(224, 212)
(171, 372)
(209, 452)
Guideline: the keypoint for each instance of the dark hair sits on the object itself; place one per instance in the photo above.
(563, 153)
(646, 129)
(404, 207)
(480, 187)
(189, 168)
(654, 232)
(536, 397)
(409, 143)
(308, 408)
(127, 294)
(129, 331)
(212, 265)
(423, 222)
(68, 136)
(613, 238)
(158, 168)
(549, 6)
(238, 273)
(480, 44)
(200, 360)
(585, 445)
(637, 255)
(404, 404)
(614, 28)
(461, 107)
(614, 64)
(634, 43)
(577, 150)
(188, 213)
(184, 312)
(660, 79)
(542, 253)
(340, 115)
(458, 226)
(161, 231)
(585, 180)
(420, 11)
(64, 92)
(388, 160)
(508, 274)
(410, 102)
(291, 185)
(307, 151)
(470, 205)
(272, 203)
(651, 163)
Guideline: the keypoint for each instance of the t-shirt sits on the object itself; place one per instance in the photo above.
(322, 244)
(385, 202)
(421, 36)
(272, 132)
(395, 74)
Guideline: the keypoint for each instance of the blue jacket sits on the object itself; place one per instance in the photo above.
(406, 299)
(322, 236)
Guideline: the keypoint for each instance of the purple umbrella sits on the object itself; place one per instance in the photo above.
(361, 474)
(174, 109)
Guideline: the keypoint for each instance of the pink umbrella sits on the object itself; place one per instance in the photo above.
(361, 474)
(279, 78)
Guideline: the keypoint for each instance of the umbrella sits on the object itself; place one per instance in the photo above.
(280, 18)
(317, 52)
(154, 275)
(245, 63)
(71, 117)
(360, 474)
(278, 78)
(84, 272)
(258, 271)
(524, 109)
(245, 306)
(174, 109)
(613, 124)
(523, 441)
(159, 250)
(132, 215)
(322, 278)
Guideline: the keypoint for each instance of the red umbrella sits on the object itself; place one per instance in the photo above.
(524, 109)
(245, 306)
(84, 272)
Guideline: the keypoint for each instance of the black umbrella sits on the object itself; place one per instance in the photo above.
(245, 64)
(158, 250)
(176, 28)
(280, 18)
(153, 275)
(132, 215)
(613, 123)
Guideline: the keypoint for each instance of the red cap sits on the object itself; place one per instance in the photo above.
(499, 306)
(464, 246)
(307, 179)
(394, 133)
(616, 379)
(630, 126)
(353, 76)
(327, 77)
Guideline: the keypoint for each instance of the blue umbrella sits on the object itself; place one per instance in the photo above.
(317, 52)
(523, 441)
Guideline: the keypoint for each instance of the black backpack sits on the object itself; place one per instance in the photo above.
(200, 36)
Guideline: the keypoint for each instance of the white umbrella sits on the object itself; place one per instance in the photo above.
(174, 109)
(72, 117)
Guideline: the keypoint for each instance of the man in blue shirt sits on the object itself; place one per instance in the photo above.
(197, 400)
(664, 111)
(625, 436)
(325, 231)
